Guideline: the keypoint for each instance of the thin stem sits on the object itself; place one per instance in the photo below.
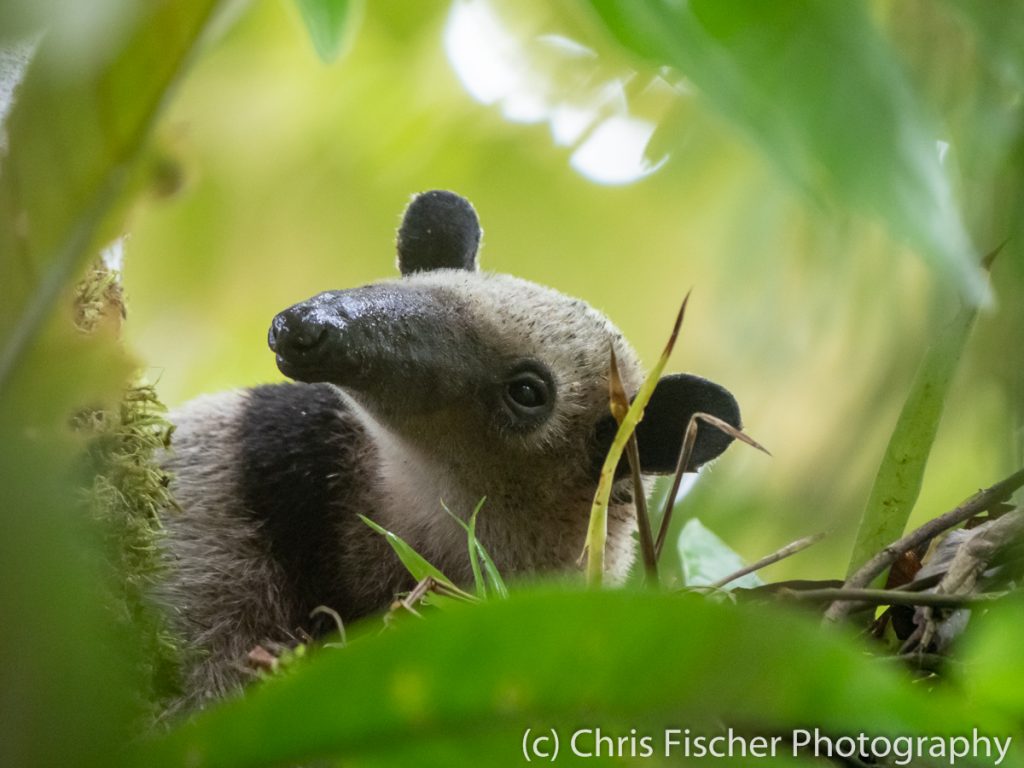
(774, 557)
(643, 520)
(685, 451)
(892, 597)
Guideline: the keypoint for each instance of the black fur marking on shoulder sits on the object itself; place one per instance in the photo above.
(440, 230)
(296, 443)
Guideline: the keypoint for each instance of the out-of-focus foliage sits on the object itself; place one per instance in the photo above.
(898, 482)
(71, 692)
(127, 494)
(617, 659)
(705, 558)
(817, 87)
(993, 673)
(330, 24)
(291, 175)
(76, 127)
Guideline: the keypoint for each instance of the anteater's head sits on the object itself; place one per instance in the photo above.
(486, 369)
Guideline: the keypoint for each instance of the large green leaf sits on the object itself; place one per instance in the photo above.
(706, 558)
(78, 120)
(77, 124)
(818, 89)
(993, 669)
(470, 681)
(66, 695)
(899, 477)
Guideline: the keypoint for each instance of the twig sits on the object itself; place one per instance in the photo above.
(685, 453)
(774, 557)
(619, 403)
(976, 504)
(643, 520)
(891, 597)
(689, 439)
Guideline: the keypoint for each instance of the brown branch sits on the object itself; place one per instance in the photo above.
(774, 557)
(685, 453)
(891, 597)
(643, 520)
(976, 504)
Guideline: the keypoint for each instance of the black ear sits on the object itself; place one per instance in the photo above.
(660, 434)
(439, 230)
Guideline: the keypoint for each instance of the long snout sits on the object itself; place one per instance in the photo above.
(304, 335)
(387, 330)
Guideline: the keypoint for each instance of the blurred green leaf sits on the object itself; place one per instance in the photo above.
(66, 692)
(899, 477)
(77, 125)
(706, 558)
(993, 669)
(329, 23)
(1001, 29)
(470, 681)
(817, 87)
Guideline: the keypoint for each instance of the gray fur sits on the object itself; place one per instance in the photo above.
(413, 360)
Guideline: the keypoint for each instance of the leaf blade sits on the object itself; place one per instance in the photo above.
(328, 23)
(836, 114)
(589, 657)
(72, 138)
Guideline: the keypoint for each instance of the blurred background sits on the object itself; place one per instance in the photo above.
(606, 179)
(826, 178)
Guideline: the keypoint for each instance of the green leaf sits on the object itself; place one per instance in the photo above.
(480, 587)
(77, 126)
(470, 682)
(818, 89)
(478, 553)
(899, 477)
(597, 528)
(1000, 28)
(417, 565)
(707, 559)
(329, 23)
(993, 669)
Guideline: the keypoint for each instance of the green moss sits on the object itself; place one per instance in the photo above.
(127, 494)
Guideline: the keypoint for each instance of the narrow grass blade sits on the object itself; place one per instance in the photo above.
(417, 565)
(597, 530)
(477, 550)
(479, 586)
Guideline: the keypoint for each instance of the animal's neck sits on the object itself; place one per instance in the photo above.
(527, 523)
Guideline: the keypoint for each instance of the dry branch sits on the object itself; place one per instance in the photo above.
(975, 505)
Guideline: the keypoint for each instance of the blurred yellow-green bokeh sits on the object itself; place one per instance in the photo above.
(293, 174)
(823, 176)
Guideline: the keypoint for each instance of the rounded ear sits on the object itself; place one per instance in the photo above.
(660, 434)
(676, 398)
(439, 230)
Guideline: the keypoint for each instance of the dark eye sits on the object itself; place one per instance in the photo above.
(528, 393)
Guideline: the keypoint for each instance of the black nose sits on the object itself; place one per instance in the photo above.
(292, 332)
